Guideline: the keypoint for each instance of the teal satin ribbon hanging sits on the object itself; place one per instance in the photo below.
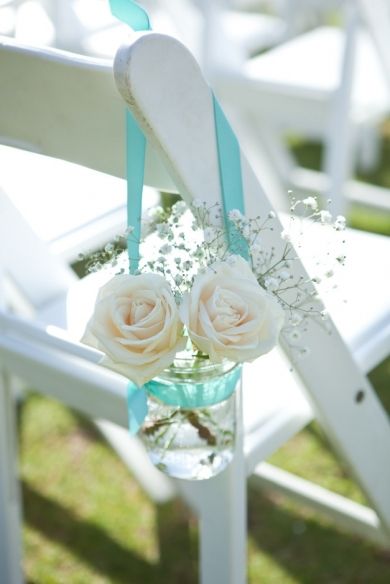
(137, 407)
(130, 13)
(229, 160)
(215, 390)
(195, 395)
(137, 18)
(135, 165)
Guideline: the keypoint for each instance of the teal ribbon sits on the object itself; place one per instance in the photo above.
(137, 18)
(135, 165)
(137, 407)
(229, 160)
(183, 394)
(190, 395)
(130, 13)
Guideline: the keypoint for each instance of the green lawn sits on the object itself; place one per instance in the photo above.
(88, 522)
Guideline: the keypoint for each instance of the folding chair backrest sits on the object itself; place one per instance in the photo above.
(63, 106)
(66, 106)
(164, 88)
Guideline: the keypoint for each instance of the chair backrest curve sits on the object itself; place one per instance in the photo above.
(66, 106)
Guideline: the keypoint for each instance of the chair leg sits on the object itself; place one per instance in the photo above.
(223, 527)
(340, 140)
(221, 506)
(10, 499)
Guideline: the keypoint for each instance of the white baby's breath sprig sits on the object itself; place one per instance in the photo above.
(186, 240)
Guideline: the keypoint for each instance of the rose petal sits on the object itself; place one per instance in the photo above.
(136, 324)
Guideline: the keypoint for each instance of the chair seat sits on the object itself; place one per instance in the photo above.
(88, 209)
(348, 296)
(312, 63)
(308, 68)
(250, 31)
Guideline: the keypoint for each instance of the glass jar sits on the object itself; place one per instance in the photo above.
(190, 428)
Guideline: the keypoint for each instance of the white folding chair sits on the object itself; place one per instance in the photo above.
(326, 84)
(271, 415)
(336, 394)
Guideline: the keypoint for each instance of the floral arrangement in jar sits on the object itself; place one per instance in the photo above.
(194, 310)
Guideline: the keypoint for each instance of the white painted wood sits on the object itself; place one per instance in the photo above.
(83, 131)
(237, 32)
(364, 331)
(27, 110)
(47, 360)
(19, 246)
(173, 104)
(349, 515)
(10, 497)
(87, 131)
(223, 529)
(275, 408)
(180, 124)
(89, 388)
(297, 87)
(339, 154)
(46, 108)
(67, 27)
(86, 208)
(220, 503)
(200, 174)
(49, 336)
(376, 14)
(263, 159)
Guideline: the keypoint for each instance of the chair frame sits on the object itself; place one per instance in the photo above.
(51, 363)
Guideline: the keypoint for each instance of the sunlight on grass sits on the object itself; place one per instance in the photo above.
(288, 544)
(88, 522)
(82, 508)
(308, 455)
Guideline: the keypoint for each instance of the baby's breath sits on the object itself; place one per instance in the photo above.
(189, 239)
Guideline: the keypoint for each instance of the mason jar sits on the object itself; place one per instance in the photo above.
(190, 429)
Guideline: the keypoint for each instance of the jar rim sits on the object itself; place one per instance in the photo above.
(191, 387)
(190, 364)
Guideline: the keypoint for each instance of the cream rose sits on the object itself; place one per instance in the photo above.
(136, 324)
(229, 315)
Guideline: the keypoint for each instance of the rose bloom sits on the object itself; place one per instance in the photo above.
(136, 324)
(229, 315)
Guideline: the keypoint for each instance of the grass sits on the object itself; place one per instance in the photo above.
(86, 521)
